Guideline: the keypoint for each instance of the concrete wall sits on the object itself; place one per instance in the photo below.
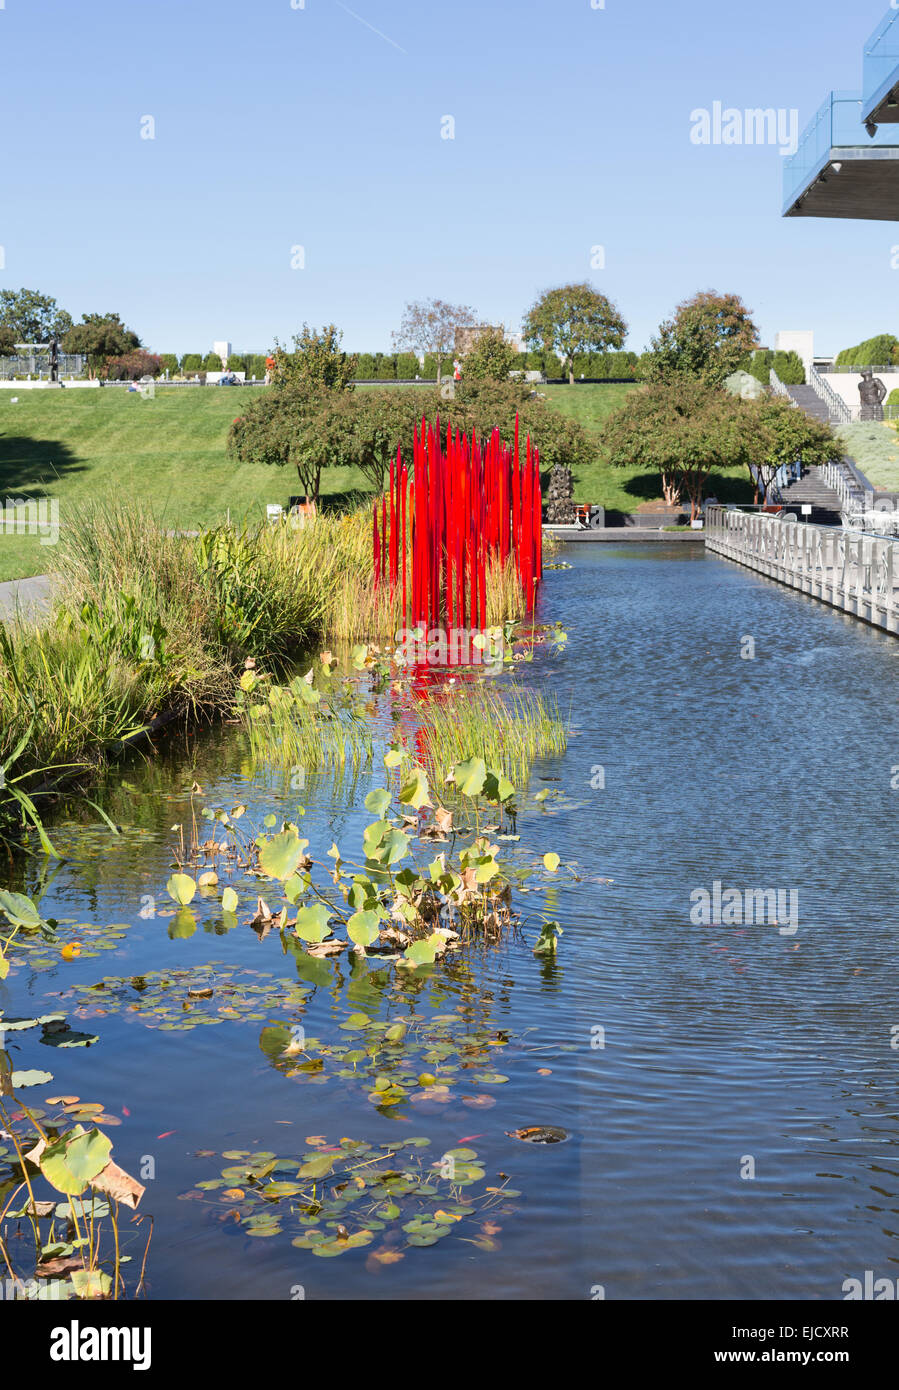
(846, 385)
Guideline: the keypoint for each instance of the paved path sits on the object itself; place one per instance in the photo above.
(621, 534)
(31, 597)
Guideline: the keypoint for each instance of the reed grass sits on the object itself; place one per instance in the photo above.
(149, 622)
(509, 727)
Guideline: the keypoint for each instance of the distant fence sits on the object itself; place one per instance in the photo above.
(854, 572)
(38, 364)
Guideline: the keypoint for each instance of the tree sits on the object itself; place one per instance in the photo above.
(382, 422)
(775, 433)
(305, 425)
(32, 316)
(7, 342)
(168, 362)
(683, 435)
(707, 338)
(99, 337)
(574, 319)
(492, 358)
(317, 358)
(429, 327)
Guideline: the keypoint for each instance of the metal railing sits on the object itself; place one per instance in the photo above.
(831, 369)
(778, 387)
(835, 404)
(851, 486)
(881, 62)
(849, 570)
(38, 364)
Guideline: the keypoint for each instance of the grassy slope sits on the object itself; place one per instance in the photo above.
(81, 446)
(875, 448)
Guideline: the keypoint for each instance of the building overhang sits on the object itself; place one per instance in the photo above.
(854, 181)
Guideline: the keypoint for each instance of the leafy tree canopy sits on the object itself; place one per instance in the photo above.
(7, 342)
(574, 319)
(707, 338)
(99, 337)
(32, 316)
(310, 428)
(491, 359)
(317, 358)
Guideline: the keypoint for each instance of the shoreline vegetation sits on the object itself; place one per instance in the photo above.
(147, 626)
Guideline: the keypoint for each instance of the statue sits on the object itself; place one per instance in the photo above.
(54, 358)
(873, 394)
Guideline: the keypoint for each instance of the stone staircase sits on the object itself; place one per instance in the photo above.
(807, 398)
(811, 490)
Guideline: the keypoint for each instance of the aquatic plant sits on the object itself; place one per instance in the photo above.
(69, 1241)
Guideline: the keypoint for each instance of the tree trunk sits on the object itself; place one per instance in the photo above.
(670, 491)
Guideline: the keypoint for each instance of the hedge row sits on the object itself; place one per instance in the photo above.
(880, 351)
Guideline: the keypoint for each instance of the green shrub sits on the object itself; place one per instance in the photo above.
(192, 362)
(491, 359)
(385, 367)
(168, 362)
(212, 362)
(879, 351)
(789, 368)
(429, 370)
(604, 365)
(407, 366)
(365, 368)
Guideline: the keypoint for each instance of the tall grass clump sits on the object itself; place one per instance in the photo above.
(509, 727)
(147, 622)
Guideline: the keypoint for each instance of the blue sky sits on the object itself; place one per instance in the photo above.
(278, 127)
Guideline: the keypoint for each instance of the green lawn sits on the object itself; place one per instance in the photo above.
(875, 448)
(83, 446)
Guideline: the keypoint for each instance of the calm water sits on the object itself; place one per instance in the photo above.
(724, 1046)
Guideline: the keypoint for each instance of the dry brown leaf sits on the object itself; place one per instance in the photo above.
(118, 1185)
(62, 1264)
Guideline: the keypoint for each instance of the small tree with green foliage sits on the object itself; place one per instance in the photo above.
(305, 425)
(7, 342)
(491, 359)
(682, 435)
(99, 337)
(571, 320)
(707, 338)
(775, 433)
(317, 358)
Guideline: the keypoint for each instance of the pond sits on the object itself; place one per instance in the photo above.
(727, 1089)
